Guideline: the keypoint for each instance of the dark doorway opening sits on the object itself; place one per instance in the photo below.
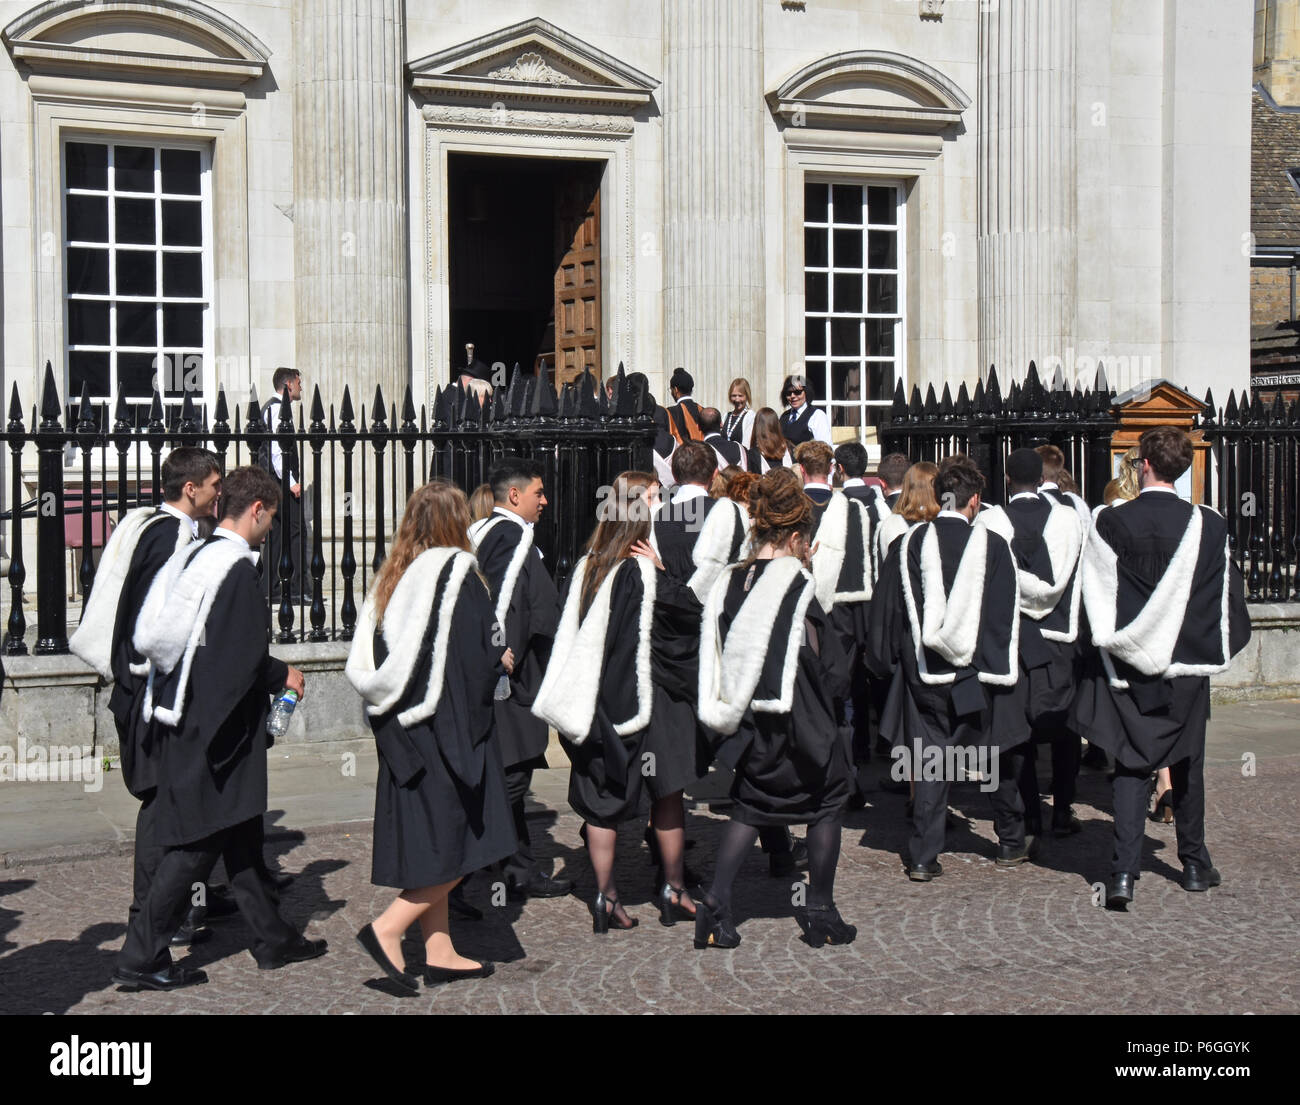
(524, 245)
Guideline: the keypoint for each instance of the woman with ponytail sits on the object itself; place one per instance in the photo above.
(771, 668)
(425, 658)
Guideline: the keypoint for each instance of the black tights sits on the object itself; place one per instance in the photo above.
(737, 840)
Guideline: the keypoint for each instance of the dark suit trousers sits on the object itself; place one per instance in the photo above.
(180, 870)
(930, 809)
(148, 854)
(288, 518)
(1130, 789)
(1065, 772)
(520, 867)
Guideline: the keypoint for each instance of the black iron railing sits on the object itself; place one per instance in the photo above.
(358, 467)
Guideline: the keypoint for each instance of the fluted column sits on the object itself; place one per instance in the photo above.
(352, 314)
(1027, 210)
(713, 192)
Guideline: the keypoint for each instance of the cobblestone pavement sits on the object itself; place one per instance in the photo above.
(978, 940)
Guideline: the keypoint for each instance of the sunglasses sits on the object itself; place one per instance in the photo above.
(795, 391)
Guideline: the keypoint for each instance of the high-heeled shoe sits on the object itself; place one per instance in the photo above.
(603, 917)
(822, 925)
(1164, 810)
(670, 911)
(714, 928)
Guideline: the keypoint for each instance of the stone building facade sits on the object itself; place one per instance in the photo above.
(865, 191)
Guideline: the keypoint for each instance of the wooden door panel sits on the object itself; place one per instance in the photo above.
(577, 285)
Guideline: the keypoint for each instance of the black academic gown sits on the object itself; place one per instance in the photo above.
(790, 768)
(440, 800)
(677, 527)
(135, 742)
(1159, 721)
(212, 768)
(607, 775)
(730, 451)
(979, 714)
(531, 620)
(1048, 666)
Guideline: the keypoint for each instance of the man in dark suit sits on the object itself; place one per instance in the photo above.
(1156, 584)
(730, 453)
(281, 459)
(528, 613)
(1046, 538)
(208, 691)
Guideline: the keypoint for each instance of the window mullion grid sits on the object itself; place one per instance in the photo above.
(111, 183)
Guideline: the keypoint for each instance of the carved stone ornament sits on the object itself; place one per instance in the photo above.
(931, 9)
(499, 115)
(532, 68)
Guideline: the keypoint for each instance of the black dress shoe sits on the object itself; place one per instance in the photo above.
(368, 940)
(296, 951)
(1014, 857)
(714, 928)
(1067, 825)
(1119, 891)
(540, 886)
(823, 925)
(436, 976)
(924, 872)
(172, 977)
(1196, 877)
(189, 934)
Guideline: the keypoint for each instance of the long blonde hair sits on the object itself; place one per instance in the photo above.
(436, 516)
(917, 503)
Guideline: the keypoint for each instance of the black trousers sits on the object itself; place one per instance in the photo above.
(930, 809)
(180, 870)
(1129, 787)
(1066, 753)
(520, 867)
(289, 518)
(148, 853)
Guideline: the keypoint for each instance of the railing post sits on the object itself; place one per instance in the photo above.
(317, 434)
(86, 428)
(348, 562)
(15, 645)
(378, 439)
(52, 607)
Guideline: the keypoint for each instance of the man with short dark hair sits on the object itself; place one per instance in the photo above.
(207, 691)
(683, 411)
(1046, 538)
(851, 459)
(140, 545)
(943, 623)
(730, 453)
(1167, 609)
(528, 613)
(281, 459)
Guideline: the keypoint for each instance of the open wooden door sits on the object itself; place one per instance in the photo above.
(577, 281)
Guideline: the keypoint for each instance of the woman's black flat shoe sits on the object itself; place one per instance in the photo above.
(822, 925)
(436, 976)
(714, 928)
(368, 940)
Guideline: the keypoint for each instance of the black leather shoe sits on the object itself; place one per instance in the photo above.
(1014, 857)
(1196, 877)
(368, 940)
(172, 977)
(540, 886)
(823, 925)
(436, 976)
(297, 951)
(924, 872)
(189, 934)
(714, 928)
(1067, 825)
(1119, 891)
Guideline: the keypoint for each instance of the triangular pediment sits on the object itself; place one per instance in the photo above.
(533, 60)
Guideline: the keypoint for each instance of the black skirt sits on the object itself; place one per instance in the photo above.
(438, 828)
(607, 773)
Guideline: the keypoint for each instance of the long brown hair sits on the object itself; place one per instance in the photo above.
(623, 519)
(768, 438)
(779, 509)
(917, 502)
(436, 516)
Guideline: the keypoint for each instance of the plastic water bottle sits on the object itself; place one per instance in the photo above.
(278, 723)
(502, 691)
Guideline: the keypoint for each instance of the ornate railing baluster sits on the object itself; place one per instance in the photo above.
(16, 630)
(52, 609)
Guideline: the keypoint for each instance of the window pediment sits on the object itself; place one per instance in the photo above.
(532, 61)
(163, 39)
(870, 90)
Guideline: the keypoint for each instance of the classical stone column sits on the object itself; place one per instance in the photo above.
(351, 293)
(713, 193)
(1027, 187)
